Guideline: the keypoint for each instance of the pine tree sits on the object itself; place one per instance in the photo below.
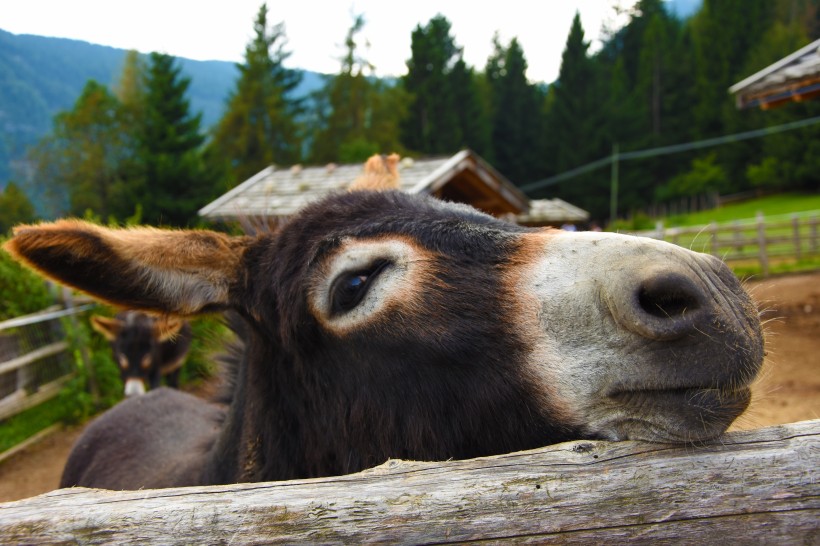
(472, 113)
(516, 114)
(432, 125)
(576, 130)
(356, 115)
(168, 147)
(260, 126)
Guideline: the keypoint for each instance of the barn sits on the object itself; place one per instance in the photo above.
(276, 193)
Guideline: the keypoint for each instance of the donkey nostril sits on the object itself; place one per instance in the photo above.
(667, 298)
(661, 304)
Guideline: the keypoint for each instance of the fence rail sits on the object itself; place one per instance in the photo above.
(35, 361)
(761, 240)
(751, 487)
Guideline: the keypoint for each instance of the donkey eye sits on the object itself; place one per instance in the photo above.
(349, 288)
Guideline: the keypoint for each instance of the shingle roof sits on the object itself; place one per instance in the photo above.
(552, 211)
(281, 192)
(795, 76)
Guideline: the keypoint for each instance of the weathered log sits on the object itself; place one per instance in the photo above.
(749, 487)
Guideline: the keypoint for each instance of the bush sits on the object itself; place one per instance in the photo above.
(704, 176)
(21, 290)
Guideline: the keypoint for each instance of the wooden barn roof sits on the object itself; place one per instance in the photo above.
(551, 212)
(465, 177)
(796, 77)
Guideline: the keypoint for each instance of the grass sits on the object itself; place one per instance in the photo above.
(786, 203)
(26, 424)
(752, 269)
(777, 210)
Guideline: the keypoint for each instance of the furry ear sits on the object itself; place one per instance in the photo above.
(166, 328)
(165, 271)
(110, 328)
(380, 173)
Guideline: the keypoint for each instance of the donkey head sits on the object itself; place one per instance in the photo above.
(387, 325)
(136, 341)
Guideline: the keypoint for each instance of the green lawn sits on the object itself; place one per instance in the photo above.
(28, 423)
(770, 206)
(776, 208)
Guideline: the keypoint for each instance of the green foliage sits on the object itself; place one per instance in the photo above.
(656, 81)
(772, 205)
(260, 125)
(516, 126)
(168, 163)
(573, 124)
(84, 156)
(766, 174)
(20, 427)
(704, 177)
(210, 335)
(15, 208)
(444, 113)
(21, 290)
(638, 222)
(355, 114)
(95, 371)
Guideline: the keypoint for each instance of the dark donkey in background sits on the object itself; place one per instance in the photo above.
(146, 348)
(377, 324)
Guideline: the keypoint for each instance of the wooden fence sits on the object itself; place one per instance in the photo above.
(760, 241)
(34, 358)
(752, 487)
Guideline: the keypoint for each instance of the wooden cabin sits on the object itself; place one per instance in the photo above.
(276, 193)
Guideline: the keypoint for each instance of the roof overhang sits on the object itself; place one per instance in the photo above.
(468, 174)
(794, 78)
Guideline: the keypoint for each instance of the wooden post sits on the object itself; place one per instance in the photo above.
(746, 487)
(813, 234)
(761, 243)
(796, 232)
(659, 232)
(737, 235)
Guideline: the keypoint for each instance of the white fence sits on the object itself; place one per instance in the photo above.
(761, 240)
(35, 360)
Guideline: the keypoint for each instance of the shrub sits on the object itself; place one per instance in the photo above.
(21, 290)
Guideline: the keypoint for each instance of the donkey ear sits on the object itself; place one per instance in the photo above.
(166, 328)
(110, 328)
(173, 272)
(380, 173)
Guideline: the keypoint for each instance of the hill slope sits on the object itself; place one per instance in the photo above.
(42, 76)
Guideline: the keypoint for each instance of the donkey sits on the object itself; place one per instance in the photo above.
(377, 324)
(146, 348)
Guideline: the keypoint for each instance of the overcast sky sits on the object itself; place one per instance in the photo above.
(212, 30)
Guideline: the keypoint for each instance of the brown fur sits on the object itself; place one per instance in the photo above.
(380, 173)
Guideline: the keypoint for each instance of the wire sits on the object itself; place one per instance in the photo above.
(665, 150)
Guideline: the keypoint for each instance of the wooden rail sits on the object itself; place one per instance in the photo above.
(761, 240)
(748, 487)
(27, 342)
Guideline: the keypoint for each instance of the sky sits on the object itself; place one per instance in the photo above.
(220, 30)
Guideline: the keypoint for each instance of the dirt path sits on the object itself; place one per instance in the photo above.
(789, 387)
(788, 391)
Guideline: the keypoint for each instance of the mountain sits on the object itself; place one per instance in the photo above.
(41, 76)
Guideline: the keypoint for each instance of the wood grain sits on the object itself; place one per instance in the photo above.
(752, 486)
